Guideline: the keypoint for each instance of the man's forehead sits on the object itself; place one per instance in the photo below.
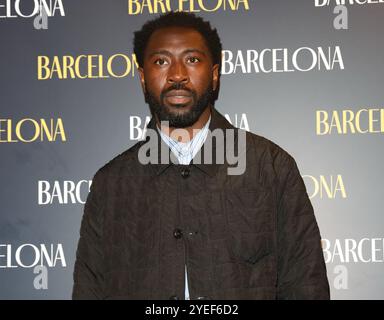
(171, 36)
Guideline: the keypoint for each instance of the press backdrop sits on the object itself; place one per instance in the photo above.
(307, 75)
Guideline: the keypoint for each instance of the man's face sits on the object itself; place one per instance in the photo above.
(178, 77)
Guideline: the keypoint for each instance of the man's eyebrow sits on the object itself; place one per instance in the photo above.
(164, 52)
(167, 53)
(194, 50)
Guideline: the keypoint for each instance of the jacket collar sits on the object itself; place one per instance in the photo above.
(218, 121)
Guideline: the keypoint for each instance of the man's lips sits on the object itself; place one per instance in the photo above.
(178, 93)
(178, 96)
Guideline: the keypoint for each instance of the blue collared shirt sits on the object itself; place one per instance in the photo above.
(185, 151)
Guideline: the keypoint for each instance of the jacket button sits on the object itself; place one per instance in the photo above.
(177, 233)
(173, 298)
(202, 298)
(185, 172)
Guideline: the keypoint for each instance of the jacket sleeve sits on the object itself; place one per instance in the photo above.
(301, 267)
(88, 271)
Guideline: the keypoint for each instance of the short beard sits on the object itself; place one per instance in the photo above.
(181, 120)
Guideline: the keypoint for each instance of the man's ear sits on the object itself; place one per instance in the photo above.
(215, 76)
(142, 79)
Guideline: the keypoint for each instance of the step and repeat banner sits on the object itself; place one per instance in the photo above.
(306, 74)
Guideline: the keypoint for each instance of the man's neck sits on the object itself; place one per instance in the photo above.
(188, 133)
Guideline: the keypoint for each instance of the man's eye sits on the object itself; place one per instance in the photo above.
(160, 62)
(193, 59)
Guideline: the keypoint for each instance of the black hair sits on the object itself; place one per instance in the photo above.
(177, 19)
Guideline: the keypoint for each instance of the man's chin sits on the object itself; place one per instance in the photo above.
(179, 110)
(180, 117)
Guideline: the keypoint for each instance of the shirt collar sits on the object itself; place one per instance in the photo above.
(217, 121)
(190, 148)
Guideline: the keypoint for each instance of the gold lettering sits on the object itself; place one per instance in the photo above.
(59, 130)
(18, 130)
(245, 3)
(9, 132)
(335, 122)
(164, 7)
(77, 66)
(323, 184)
(56, 68)
(191, 6)
(357, 120)
(68, 62)
(328, 187)
(371, 120)
(131, 3)
(340, 183)
(147, 3)
(320, 121)
(109, 65)
(161, 6)
(2, 130)
(44, 129)
(41, 130)
(94, 66)
(135, 62)
(315, 183)
(348, 121)
(382, 119)
(232, 4)
(42, 65)
(218, 5)
(91, 66)
(101, 69)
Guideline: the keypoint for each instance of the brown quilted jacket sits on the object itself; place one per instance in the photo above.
(251, 236)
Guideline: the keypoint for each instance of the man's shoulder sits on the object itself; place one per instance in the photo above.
(267, 149)
(120, 164)
(275, 162)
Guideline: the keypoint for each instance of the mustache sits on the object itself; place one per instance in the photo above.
(177, 86)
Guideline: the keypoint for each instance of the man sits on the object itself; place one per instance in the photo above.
(187, 229)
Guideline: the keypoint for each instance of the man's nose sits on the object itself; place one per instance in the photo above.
(178, 73)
